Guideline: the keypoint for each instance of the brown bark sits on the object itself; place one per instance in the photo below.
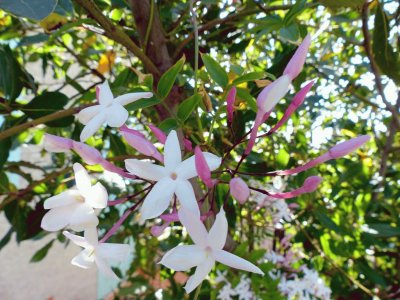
(156, 50)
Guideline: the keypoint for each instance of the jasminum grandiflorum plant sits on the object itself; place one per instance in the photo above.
(172, 178)
(110, 110)
(95, 253)
(206, 251)
(75, 208)
(186, 184)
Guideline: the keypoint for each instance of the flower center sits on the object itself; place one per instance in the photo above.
(174, 176)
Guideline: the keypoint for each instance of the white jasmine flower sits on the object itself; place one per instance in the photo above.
(75, 208)
(173, 178)
(226, 293)
(96, 253)
(206, 251)
(110, 110)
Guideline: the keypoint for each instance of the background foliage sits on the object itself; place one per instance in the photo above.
(349, 228)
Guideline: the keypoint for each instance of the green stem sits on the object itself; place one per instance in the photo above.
(197, 293)
(149, 26)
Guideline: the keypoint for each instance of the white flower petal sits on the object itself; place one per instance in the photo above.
(235, 261)
(193, 225)
(183, 258)
(91, 236)
(78, 240)
(83, 217)
(131, 97)
(199, 275)
(187, 169)
(172, 152)
(185, 193)
(104, 268)
(83, 260)
(217, 235)
(65, 198)
(88, 113)
(116, 115)
(158, 199)
(145, 169)
(97, 196)
(112, 251)
(105, 95)
(82, 179)
(57, 218)
(93, 125)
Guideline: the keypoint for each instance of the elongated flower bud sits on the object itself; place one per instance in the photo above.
(296, 63)
(90, 155)
(202, 168)
(158, 133)
(298, 99)
(239, 189)
(230, 101)
(187, 144)
(309, 186)
(272, 93)
(337, 151)
(53, 143)
(142, 145)
(125, 128)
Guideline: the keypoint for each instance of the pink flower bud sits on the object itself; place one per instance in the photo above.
(125, 128)
(309, 186)
(53, 143)
(253, 135)
(296, 63)
(142, 145)
(156, 231)
(239, 189)
(158, 133)
(188, 144)
(272, 93)
(202, 167)
(230, 101)
(90, 155)
(349, 146)
(337, 151)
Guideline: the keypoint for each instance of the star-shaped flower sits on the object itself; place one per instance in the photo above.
(110, 110)
(96, 253)
(206, 251)
(171, 179)
(75, 208)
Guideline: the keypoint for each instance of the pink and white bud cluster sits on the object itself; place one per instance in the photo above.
(274, 92)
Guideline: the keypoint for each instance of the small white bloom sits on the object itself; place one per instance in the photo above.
(75, 208)
(206, 251)
(110, 110)
(96, 253)
(226, 293)
(171, 179)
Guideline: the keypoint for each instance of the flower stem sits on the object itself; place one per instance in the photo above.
(197, 293)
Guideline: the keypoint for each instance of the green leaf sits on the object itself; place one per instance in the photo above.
(217, 73)
(186, 108)
(245, 95)
(11, 74)
(32, 9)
(248, 77)
(383, 230)
(33, 39)
(168, 124)
(327, 222)
(47, 103)
(5, 146)
(143, 103)
(294, 11)
(167, 80)
(387, 60)
(42, 252)
(282, 158)
(6, 238)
